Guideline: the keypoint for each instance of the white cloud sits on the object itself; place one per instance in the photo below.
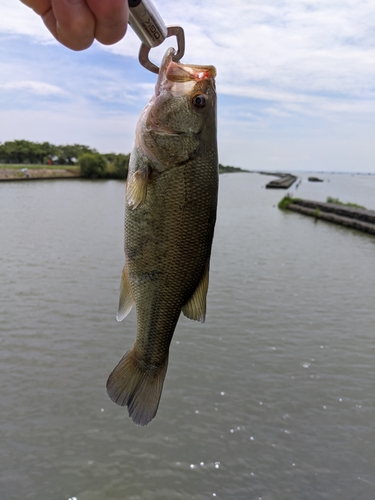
(17, 19)
(128, 46)
(291, 47)
(346, 149)
(61, 124)
(310, 58)
(38, 88)
(297, 68)
(297, 46)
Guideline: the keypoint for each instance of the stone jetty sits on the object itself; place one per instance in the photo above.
(284, 181)
(353, 217)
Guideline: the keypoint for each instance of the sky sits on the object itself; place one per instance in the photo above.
(295, 82)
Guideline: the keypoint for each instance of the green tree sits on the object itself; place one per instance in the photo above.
(71, 153)
(92, 165)
(121, 164)
(111, 165)
(21, 151)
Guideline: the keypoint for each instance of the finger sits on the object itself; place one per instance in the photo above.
(38, 6)
(71, 22)
(111, 19)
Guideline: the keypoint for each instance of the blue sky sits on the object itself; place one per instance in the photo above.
(296, 81)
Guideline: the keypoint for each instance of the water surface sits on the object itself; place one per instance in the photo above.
(272, 398)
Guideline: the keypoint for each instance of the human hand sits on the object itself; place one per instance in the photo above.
(76, 23)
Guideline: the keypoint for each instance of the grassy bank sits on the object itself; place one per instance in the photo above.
(286, 201)
(336, 201)
(9, 172)
(20, 166)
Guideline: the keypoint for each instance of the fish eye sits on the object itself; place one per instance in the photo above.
(199, 101)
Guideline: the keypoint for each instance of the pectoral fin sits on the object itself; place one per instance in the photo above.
(195, 307)
(136, 188)
(126, 301)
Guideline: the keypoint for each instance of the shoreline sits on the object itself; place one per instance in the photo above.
(30, 174)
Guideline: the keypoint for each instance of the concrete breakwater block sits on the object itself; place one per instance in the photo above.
(283, 182)
(355, 218)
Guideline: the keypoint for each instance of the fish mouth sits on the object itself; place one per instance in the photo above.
(178, 79)
(180, 73)
(181, 78)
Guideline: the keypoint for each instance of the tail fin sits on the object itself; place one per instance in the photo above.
(138, 386)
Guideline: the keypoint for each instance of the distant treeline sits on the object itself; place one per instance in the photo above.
(91, 163)
(22, 151)
(225, 169)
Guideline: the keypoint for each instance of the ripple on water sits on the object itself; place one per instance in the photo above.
(281, 299)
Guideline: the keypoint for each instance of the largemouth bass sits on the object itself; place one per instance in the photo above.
(170, 214)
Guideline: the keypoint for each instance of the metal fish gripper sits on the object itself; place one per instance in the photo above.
(150, 28)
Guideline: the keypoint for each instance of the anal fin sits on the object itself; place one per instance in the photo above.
(126, 301)
(195, 307)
